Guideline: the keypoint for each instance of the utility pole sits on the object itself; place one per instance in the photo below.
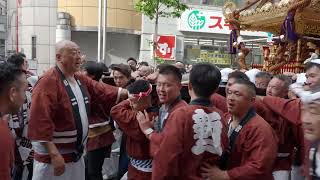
(104, 48)
(99, 31)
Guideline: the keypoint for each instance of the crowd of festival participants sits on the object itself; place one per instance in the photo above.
(178, 121)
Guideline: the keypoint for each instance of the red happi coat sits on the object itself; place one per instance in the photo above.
(290, 111)
(137, 145)
(290, 136)
(220, 102)
(98, 119)
(155, 139)
(51, 115)
(254, 151)
(6, 150)
(178, 157)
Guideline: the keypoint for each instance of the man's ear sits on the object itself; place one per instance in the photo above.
(58, 57)
(190, 86)
(12, 93)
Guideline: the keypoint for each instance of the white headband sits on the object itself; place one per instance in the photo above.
(317, 61)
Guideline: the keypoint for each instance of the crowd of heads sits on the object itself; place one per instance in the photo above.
(203, 79)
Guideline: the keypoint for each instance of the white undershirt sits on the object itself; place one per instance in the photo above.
(82, 109)
(317, 164)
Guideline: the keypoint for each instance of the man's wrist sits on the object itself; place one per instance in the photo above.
(148, 132)
(225, 175)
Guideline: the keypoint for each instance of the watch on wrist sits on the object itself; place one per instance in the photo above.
(148, 131)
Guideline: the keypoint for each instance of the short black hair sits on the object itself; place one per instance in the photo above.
(93, 69)
(251, 87)
(238, 75)
(138, 86)
(287, 80)
(123, 69)
(143, 63)
(310, 65)
(264, 75)
(22, 54)
(17, 59)
(205, 79)
(168, 69)
(105, 69)
(132, 59)
(9, 73)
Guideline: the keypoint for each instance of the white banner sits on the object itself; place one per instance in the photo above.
(198, 20)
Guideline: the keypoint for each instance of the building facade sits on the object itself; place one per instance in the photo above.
(32, 30)
(201, 35)
(123, 28)
(3, 28)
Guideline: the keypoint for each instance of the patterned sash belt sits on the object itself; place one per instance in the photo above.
(142, 165)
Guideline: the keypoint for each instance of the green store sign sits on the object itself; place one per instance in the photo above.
(196, 20)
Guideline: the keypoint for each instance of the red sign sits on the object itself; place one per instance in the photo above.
(166, 47)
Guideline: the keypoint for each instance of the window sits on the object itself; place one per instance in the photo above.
(2, 28)
(34, 47)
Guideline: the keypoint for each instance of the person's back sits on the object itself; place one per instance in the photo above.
(199, 137)
(193, 134)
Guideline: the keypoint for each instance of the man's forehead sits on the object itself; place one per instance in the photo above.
(117, 73)
(71, 46)
(166, 78)
(313, 70)
(277, 81)
(262, 79)
(238, 87)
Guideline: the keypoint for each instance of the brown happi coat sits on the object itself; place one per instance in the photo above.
(178, 156)
(254, 151)
(51, 114)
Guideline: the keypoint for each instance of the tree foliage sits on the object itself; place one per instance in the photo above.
(160, 8)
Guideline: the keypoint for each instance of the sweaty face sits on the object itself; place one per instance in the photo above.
(313, 78)
(168, 88)
(277, 88)
(120, 79)
(17, 94)
(311, 122)
(238, 99)
(262, 83)
(70, 58)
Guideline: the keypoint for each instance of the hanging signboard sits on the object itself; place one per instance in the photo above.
(166, 47)
(209, 21)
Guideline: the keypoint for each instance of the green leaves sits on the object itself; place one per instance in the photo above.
(160, 8)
